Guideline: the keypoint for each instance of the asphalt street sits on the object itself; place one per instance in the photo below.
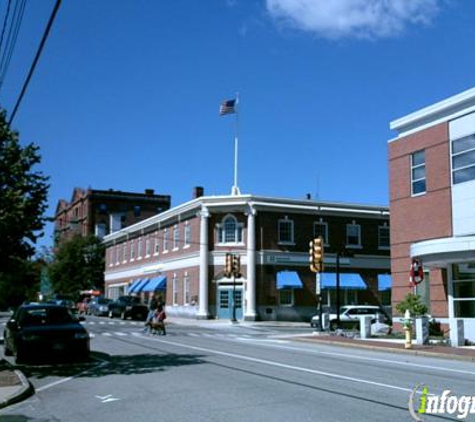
(230, 372)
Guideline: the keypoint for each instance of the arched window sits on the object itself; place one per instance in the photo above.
(230, 231)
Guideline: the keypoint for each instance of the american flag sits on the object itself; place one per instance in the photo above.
(227, 107)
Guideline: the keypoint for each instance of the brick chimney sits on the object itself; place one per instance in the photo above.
(198, 192)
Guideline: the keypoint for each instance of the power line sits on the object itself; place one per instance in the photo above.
(11, 41)
(5, 22)
(35, 61)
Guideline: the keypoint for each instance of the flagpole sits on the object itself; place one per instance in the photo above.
(235, 189)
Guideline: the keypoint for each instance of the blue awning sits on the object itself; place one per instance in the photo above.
(132, 286)
(384, 281)
(288, 280)
(347, 280)
(155, 284)
(138, 287)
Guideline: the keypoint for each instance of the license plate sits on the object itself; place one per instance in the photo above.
(58, 346)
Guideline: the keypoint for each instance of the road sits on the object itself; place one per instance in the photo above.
(223, 372)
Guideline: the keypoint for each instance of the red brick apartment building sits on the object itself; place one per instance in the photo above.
(185, 247)
(432, 203)
(101, 212)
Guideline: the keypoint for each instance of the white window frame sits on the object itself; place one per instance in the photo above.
(325, 231)
(292, 297)
(176, 237)
(186, 290)
(380, 246)
(237, 233)
(139, 248)
(454, 155)
(156, 247)
(165, 241)
(285, 220)
(187, 236)
(175, 289)
(132, 250)
(147, 247)
(416, 167)
(353, 245)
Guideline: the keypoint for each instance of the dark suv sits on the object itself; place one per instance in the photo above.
(128, 307)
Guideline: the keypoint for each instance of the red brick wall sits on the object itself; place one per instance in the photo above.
(428, 216)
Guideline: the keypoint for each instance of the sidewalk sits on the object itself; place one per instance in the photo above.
(14, 386)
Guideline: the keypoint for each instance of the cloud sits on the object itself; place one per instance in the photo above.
(353, 18)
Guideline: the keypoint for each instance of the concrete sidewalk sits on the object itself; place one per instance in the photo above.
(14, 386)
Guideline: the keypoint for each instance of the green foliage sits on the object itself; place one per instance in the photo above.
(414, 304)
(23, 198)
(78, 265)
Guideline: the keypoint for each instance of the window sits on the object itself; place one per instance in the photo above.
(321, 229)
(176, 237)
(147, 247)
(132, 251)
(137, 211)
(383, 237)
(102, 208)
(124, 252)
(139, 249)
(463, 159)
(157, 246)
(175, 290)
(117, 255)
(286, 297)
(230, 231)
(165, 240)
(186, 289)
(286, 231)
(187, 239)
(353, 235)
(418, 172)
(463, 277)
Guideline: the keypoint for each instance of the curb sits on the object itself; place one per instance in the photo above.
(413, 352)
(26, 390)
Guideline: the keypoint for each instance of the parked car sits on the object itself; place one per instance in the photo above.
(128, 307)
(350, 316)
(99, 306)
(44, 330)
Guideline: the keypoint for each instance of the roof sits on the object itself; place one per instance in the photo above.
(442, 111)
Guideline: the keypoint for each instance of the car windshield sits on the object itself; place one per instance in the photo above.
(46, 316)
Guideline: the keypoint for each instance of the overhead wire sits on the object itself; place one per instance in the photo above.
(7, 13)
(15, 25)
(35, 60)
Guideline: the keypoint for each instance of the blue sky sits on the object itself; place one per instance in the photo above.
(126, 94)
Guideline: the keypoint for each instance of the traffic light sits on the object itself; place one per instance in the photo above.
(228, 268)
(237, 266)
(316, 255)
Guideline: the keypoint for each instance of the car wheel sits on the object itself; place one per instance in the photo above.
(7, 351)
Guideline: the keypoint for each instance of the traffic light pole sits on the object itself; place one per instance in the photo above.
(233, 319)
(338, 325)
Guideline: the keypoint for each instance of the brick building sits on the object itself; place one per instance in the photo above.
(101, 212)
(432, 203)
(184, 248)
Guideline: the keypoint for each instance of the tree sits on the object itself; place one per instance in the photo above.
(414, 304)
(23, 199)
(78, 265)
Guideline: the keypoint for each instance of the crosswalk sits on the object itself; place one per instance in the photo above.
(173, 334)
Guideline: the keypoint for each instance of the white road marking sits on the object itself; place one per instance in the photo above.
(119, 333)
(283, 365)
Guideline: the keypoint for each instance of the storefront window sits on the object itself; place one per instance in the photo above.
(463, 277)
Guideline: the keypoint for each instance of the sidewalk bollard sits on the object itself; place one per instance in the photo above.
(407, 324)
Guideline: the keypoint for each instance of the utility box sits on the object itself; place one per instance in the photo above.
(422, 330)
(365, 326)
(457, 333)
(325, 321)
